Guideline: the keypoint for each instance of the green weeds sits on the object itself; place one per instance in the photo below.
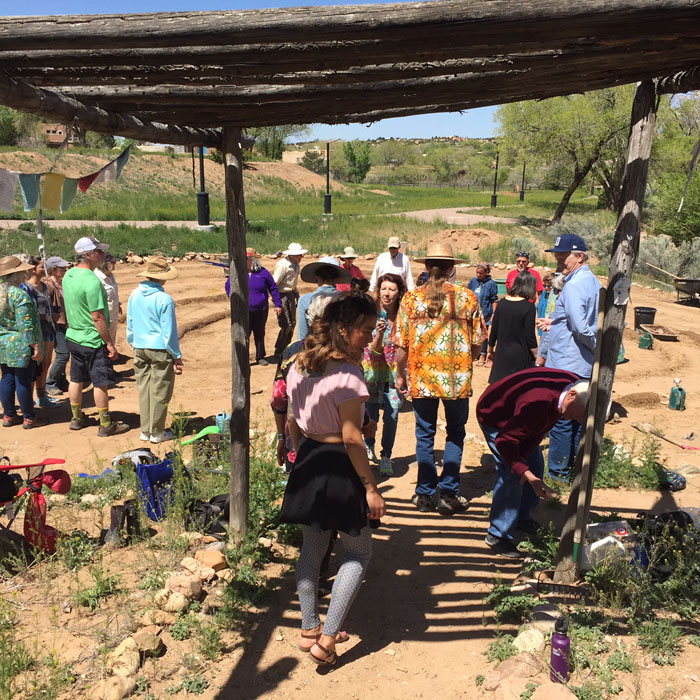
(509, 607)
(662, 638)
(103, 586)
(501, 648)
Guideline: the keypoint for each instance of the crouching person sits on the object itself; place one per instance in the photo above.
(515, 414)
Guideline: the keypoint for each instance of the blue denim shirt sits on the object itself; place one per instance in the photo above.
(303, 307)
(487, 294)
(570, 342)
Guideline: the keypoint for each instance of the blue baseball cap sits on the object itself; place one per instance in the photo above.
(568, 243)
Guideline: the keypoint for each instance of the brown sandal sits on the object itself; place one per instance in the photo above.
(340, 638)
(331, 656)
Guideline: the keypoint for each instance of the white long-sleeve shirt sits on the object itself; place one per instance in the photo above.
(396, 266)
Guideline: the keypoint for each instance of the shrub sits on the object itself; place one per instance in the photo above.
(507, 606)
(662, 638)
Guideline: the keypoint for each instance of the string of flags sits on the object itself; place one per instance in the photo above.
(57, 191)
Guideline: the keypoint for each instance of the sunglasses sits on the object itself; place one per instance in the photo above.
(522, 254)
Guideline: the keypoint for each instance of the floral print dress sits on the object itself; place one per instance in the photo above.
(19, 328)
(380, 368)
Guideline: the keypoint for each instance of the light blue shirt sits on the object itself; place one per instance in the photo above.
(150, 319)
(303, 307)
(570, 342)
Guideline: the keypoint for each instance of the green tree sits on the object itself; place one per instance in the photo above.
(393, 153)
(357, 155)
(446, 161)
(314, 161)
(270, 140)
(8, 129)
(576, 132)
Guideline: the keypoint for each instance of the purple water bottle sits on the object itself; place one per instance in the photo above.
(561, 645)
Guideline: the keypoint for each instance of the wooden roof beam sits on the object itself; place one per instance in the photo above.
(681, 81)
(27, 98)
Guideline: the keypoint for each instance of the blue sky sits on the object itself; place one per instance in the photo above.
(473, 123)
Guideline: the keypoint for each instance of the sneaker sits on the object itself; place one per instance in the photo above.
(425, 504)
(79, 423)
(54, 391)
(263, 362)
(165, 435)
(29, 423)
(451, 503)
(47, 402)
(116, 427)
(145, 437)
(503, 547)
(371, 456)
(386, 468)
(9, 421)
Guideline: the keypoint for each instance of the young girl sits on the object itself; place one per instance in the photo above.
(331, 486)
(379, 364)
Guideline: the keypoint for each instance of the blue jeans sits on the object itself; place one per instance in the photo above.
(563, 446)
(20, 380)
(511, 501)
(456, 414)
(391, 419)
(57, 374)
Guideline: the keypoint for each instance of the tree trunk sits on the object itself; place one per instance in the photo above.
(240, 379)
(578, 178)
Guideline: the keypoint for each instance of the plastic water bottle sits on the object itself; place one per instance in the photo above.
(561, 646)
(676, 401)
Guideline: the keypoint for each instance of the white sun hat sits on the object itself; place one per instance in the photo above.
(295, 249)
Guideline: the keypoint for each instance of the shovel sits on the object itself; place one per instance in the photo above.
(45, 463)
(650, 430)
(209, 430)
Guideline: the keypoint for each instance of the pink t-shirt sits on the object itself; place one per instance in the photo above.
(314, 400)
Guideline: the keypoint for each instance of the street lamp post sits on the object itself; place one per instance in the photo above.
(522, 185)
(203, 223)
(327, 198)
(494, 196)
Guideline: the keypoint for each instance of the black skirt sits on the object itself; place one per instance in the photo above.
(324, 491)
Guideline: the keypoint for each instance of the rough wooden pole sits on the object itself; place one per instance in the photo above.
(625, 249)
(240, 379)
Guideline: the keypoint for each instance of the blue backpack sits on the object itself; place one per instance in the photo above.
(156, 482)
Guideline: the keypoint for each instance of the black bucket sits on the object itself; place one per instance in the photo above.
(644, 314)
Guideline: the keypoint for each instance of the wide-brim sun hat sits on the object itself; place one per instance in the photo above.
(439, 251)
(158, 269)
(308, 272)
(348, 253)
(295, 249)
(11, 264)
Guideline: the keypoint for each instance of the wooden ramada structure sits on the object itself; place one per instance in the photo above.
(197, 78)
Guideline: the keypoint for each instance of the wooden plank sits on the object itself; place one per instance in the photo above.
(681, 81)
(625, 249)
(459, 20)
(240, 375)
(24, 97)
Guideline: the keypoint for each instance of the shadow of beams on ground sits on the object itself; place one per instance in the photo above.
(433, 596)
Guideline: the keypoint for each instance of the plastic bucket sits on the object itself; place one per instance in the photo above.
(644, 314)
(501, 284)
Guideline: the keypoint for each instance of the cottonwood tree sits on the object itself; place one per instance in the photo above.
(577, 132)
(270, 140)
(357, 155)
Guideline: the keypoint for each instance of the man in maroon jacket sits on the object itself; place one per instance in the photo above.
(515, 414)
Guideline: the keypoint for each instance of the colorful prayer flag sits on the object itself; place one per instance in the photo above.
(8, 189)
(70, 187)
(29, 185)
(51, 191)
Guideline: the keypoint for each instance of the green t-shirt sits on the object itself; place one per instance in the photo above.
(83, 293)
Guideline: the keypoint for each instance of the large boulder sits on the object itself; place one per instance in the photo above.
(520, 666)
(529, 639)
(125, 659)
(552, 691)
(212, 559)
(190, 586)
(114, 688)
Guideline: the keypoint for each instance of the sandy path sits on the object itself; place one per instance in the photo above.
(454, 215)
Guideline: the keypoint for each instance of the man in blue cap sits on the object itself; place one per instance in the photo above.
(569, 341)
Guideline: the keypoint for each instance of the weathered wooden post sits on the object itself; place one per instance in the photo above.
(625, 249)
(240, 375)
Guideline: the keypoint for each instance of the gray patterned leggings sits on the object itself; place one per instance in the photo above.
(356, 556)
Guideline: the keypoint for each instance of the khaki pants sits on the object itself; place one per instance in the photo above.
(155, 380)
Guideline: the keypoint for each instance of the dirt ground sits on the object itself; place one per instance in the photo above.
(418, 626)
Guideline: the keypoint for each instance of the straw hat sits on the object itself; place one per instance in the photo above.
(348, 253)
(308, 272)
(158, 269)
(295, 249)
(251, 253)
(438, 251)
(11, 264)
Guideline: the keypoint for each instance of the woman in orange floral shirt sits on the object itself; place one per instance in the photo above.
(439, 332)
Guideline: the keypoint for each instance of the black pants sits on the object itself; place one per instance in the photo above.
(287, 321)
(258, 319)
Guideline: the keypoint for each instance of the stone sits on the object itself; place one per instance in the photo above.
(226, 575)
(176, 602)
(216, 546)
(552, 691)
(148, 641)
(125, 659)
(529, 639)
(190, 586)
(265, 542)
(56, 499)
(370, 256)
(520, 666)
(136, 259)
(157, 617)
(544, 616)
(511, 689)
(196, 568)
(89, 498)
(114, 688)
(212, 558)
(177, 260)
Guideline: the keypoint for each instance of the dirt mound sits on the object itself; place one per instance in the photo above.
(641, 399)
(295, 174)
(466, 240)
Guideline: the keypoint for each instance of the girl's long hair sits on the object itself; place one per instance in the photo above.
(325, 342)
(438, 272)
(524, 285)
(394, 279)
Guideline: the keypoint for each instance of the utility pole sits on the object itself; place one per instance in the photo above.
(494, 196)
(327, 198)
(522, 185)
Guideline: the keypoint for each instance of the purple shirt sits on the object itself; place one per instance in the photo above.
(260, 284)
(523, 407)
